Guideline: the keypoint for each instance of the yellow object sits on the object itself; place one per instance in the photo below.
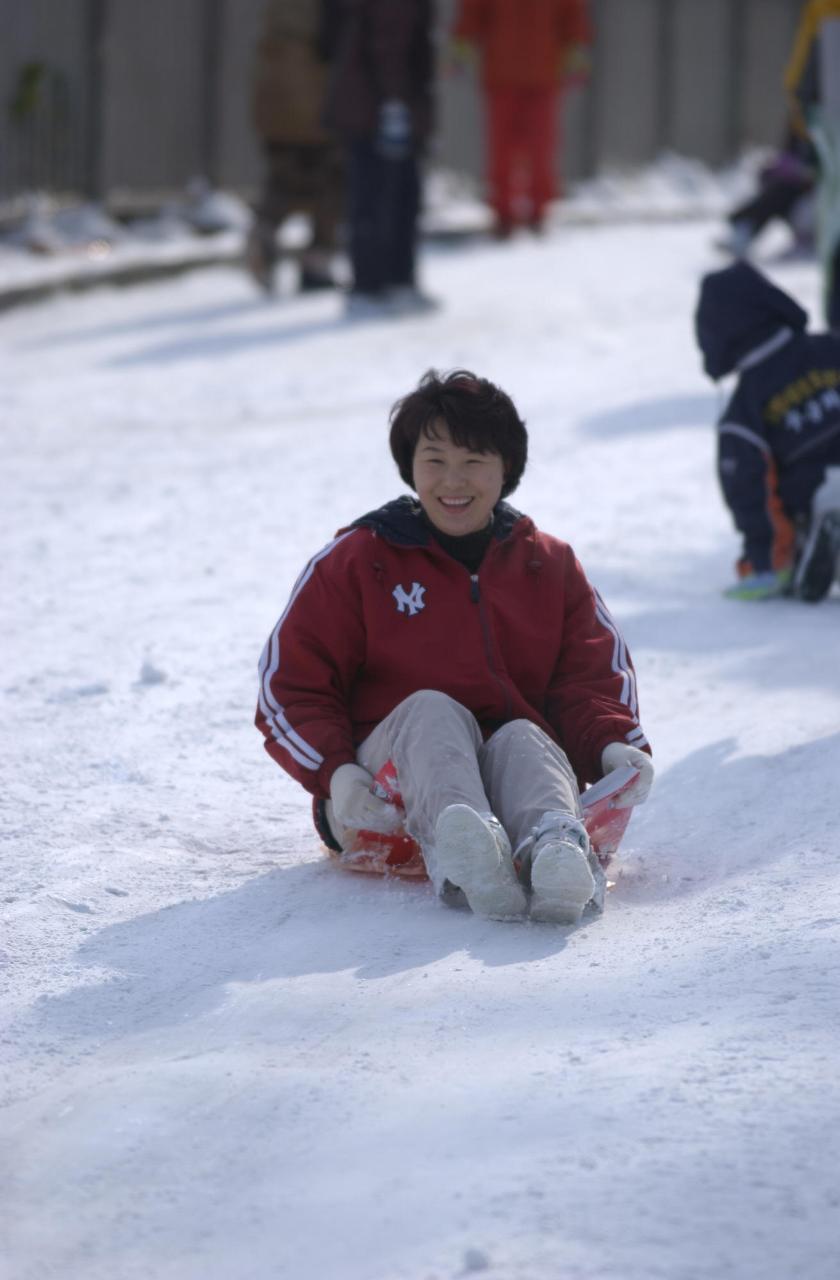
(577, 62)
(801, 65)
(461, 52)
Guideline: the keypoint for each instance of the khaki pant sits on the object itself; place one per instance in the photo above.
(304, 179)
(436, 746)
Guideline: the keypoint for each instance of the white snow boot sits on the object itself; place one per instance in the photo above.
(473, 853)
(565, 874)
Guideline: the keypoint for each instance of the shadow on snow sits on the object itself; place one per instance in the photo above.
(658, 414)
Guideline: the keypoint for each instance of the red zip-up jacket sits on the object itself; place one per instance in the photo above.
(383, 611)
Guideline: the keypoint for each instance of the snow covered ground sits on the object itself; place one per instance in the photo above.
(45, 247)
(226, 1059)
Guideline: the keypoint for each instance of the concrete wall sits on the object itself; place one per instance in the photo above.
(50, 143)
(701, 77)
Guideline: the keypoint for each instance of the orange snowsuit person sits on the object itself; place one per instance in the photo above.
(530, 51)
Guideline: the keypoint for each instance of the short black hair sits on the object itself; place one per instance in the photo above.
(479, 415)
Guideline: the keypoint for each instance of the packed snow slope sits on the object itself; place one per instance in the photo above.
(226, 1059)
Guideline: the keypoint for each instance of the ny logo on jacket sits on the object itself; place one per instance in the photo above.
(410, 603)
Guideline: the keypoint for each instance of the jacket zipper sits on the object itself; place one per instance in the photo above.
(475, 596)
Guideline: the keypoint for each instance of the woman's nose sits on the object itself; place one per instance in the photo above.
(454, 477)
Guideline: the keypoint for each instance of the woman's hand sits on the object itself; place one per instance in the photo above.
(355, 806)
(617, 754)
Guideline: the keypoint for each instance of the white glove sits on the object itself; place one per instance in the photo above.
(356, 807)
(617, 754)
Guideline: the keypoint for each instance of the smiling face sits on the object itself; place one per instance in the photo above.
(457, 487)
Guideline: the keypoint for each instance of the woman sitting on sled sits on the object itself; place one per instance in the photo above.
(447, 634)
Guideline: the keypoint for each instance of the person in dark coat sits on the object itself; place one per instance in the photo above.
(380, 106)
(779, 436)
(303, 164)
(785, 187)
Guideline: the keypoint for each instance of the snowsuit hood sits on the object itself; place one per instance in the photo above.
(738, 313)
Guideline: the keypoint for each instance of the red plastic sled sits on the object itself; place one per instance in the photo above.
(398, 855)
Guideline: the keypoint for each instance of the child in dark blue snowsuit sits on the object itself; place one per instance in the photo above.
(779, 436)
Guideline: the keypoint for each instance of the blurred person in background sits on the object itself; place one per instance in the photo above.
(303, 164)
(379, 103)
(785, 186)
(531, 52)
(812, 80)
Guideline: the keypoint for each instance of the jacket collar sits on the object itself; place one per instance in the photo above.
(401, 523)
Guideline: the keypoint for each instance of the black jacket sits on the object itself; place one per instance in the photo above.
(379, 50)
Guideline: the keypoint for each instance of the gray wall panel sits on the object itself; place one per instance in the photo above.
(238, 150)
(624, 84)
(45, 146)
(153, 121)
(698, 118)
(702, 77)
(771, 26)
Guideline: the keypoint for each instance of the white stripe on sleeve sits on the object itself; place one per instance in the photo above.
(279, 726)
(752, 437)
(620, 661)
